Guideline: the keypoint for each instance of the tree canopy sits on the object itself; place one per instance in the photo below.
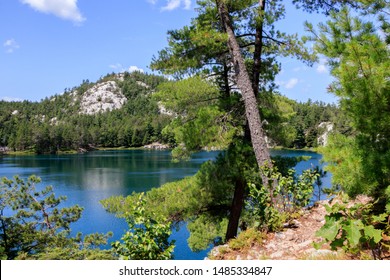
(34, 226)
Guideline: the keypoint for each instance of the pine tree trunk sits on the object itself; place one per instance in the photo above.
(258, 49)
(245, 85)
(236, 209)
(252, 113)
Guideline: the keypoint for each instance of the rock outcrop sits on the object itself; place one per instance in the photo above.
(295, 242)
(157, 146)
(102, 97)
(327, 128)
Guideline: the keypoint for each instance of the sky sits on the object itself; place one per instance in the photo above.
(47, 46)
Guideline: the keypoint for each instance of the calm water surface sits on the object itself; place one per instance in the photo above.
(88, 178)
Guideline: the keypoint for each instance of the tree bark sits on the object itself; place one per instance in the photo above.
(258, 49)
(244, 83)
(236, 209)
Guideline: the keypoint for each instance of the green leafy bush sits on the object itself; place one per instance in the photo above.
(271, 207)
(33, 226)
(355, 228)
(147, 237)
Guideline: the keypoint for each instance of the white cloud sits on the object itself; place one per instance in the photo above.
(10, 99)
(153, 2)
(120, 68)
(11, 45)
(65, 9)
(291, 83)
(135, 68)
(300, 69)
(321, 68)
(187, 4)
(174, 4)
(171, 5)
(117, 66)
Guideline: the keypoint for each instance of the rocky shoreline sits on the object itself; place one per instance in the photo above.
(293, 243)
(157, 146)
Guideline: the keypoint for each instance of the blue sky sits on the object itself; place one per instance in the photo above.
(49, 45)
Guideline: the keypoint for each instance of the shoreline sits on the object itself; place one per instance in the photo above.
(82, 151)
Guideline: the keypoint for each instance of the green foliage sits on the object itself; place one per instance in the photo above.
(205, 230)
(346, 165)
(172, 200)
(55, 124)
(202, 48)
(295, 124)
(76, 248)
(204, 200)
(359, 60)
(147, 237)
(354, 228)
(199, 122)
(246, 239)
(270, 208)
(33, 226)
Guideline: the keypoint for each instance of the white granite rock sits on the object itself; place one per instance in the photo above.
(102, 97)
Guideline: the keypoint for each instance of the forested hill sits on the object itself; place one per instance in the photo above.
(115, 111)
(119, 111)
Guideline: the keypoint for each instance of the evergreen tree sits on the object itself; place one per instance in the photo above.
(236, 42)
(359, 58)
(33, 226)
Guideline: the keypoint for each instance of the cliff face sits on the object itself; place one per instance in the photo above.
(327, 128)
(102, 97)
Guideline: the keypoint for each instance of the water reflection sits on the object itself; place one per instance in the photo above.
(103, 179)
(88, 178)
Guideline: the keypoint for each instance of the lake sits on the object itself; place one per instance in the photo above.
(88, 178)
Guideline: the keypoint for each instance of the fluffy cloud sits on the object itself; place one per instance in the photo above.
(10, 45)
(10, 99)
(173, 4)
(119, 68)
(321, 68)
(65, 9)
(135, 68)
(300, 69)
(291, 83)
(187, 4)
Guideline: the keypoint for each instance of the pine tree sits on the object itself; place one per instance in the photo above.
(359, 60)
(33, 226)
(234, 43)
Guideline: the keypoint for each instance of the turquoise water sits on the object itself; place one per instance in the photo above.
(88, 178)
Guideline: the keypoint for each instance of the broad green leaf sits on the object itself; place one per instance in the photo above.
(337, 243)
(353, 234)
(373, 233)
(380, 218)
(330, 229)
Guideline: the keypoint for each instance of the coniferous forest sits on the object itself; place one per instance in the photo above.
(221, 94)
(58, 124)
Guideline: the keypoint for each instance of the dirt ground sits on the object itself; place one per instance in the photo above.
(294, 242)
